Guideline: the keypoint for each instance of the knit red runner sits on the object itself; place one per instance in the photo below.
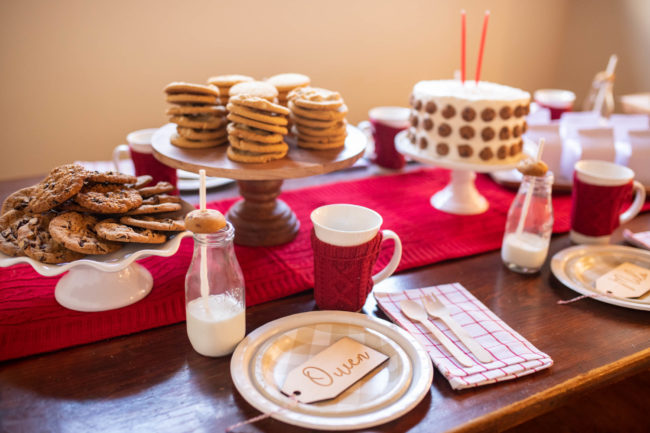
(31, 321)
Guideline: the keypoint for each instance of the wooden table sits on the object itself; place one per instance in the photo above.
(154, 381)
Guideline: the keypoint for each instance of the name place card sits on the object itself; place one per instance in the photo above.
(331, 371)
(625, 281)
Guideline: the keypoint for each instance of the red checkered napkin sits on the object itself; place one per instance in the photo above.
(641, 239)
(514, 356)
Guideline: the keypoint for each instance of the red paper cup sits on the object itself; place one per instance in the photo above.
(346, 241)
(384, 124)
(140, 151)
(556, 100)
(600, 190)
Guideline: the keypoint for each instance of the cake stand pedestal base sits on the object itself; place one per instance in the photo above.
(260, 219)
(460, 196)
(86, 288)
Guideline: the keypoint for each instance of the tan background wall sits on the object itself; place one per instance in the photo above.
(77, 75)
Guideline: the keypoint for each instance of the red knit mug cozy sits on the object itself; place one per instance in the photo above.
(343, 275)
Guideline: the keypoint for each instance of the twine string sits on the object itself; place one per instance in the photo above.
(260, 417)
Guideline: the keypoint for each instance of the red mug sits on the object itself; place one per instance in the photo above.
(140, 151)
(556, 101)
(346, 240)
(600, 190)
(384, 123)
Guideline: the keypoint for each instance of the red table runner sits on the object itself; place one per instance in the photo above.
(31, 321)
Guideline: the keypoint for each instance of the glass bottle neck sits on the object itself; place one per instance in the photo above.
(220, 238)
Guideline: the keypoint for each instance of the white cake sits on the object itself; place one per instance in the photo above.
(474, 124)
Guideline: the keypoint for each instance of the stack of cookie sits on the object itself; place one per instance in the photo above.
(198, 114)
(74, 212)
(285, 83)
(260, 89)
(225, 82)
(318, 117)
(257, 131)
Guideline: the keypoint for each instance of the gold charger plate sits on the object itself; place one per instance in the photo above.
(579, 267)
(281, 354)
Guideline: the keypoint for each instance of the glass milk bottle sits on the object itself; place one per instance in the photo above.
(525, 242)
(215, 301)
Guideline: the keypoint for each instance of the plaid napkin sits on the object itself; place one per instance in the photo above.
(641, 239)
(514, 356)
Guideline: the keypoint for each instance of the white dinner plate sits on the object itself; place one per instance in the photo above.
(188, 181)
(260, 350)
(579, 267)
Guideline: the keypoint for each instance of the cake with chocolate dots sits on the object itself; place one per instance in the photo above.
(477, 124)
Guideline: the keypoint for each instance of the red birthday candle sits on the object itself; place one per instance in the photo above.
(463, 32)
(480, 51)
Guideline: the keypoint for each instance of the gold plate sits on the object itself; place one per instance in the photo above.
(579, 267)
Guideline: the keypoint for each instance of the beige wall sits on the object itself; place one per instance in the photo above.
(77, 76)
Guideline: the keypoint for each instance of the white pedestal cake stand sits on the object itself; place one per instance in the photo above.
(460, 196)
(106, 282)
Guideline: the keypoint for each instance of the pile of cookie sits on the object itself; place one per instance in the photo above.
(258, 127)
(318, 116)
(198, 113)
(74, 212)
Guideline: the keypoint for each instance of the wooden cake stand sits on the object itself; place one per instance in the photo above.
(260, 219)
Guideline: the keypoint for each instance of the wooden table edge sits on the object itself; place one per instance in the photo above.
(551, 398)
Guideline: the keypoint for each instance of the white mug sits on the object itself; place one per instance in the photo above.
(347, 225)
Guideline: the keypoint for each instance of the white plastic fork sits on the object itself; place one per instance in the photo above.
(437, 309)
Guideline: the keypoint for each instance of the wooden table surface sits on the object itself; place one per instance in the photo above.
(155, 381)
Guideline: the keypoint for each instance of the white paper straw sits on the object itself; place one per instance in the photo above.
(529, 193)
(205, 285)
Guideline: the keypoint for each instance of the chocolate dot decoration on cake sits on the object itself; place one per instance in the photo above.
(418, 104)
(513, 149)
(444, 130)
(423, 143)
(504, 133)
(427, 124)
(527, 109)
(431, 107)
(467, 132)
(468, 114)
(442, 149)
(502, 152)
(488, 114)
(524, 127)
(486, 154)
(465, 150)
(505, 112)
(487, 134)
(521, 146)
(414, 119)
(412, 138)
(515, 131)
(519, 111)
(448, 112)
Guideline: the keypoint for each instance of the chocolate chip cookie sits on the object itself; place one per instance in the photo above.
(62, 183)
(10, 222)
(113, 231)
(107, 198)
(18, 200)
(154, 223)
(36, 242)
(159, 188)
(76, 232)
